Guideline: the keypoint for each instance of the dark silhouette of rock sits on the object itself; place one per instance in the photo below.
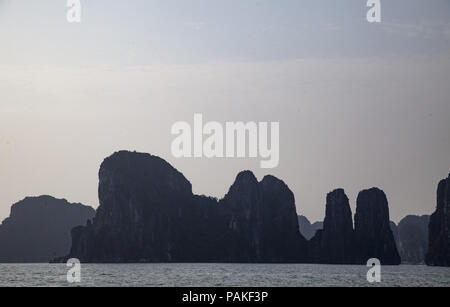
(374, 238)
(315, 248)
(262, 221)
(394, 229)
(38, 229)
(148, 213)
(335, 244)
(307, 229)
(412, 239)
(439, 228)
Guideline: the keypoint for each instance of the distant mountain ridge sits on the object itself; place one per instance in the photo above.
(148, 213)
(38, 229)
(411, 237)
(307, 229)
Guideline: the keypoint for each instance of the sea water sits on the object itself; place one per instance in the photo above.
(221, 275)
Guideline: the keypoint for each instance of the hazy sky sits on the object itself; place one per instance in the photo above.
(359, 104)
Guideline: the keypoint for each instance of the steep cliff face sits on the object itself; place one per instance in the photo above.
(394, 230)
(373, 235)
(145, 207)
(262, 221)
(412, 239)
(439, 228)
(148, 213)
(282, 239)
(243, 207)
(38, 229)
(336, 243)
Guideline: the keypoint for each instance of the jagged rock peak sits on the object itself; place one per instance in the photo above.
(245, 178)
(148, 213)
(338, 212)
(439, 228)
(373, 233)
(335, 244)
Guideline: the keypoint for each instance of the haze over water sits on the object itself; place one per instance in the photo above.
(359, 104)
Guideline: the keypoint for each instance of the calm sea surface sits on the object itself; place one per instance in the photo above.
(217, 275)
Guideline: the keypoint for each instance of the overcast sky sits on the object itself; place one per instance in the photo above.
(359, 104)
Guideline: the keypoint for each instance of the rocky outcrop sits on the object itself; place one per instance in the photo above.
(439, 228)
(394, 230)
(307, 229)
(373, 234)
(148, 213)
(412, 242)
(335, 244)
(262, 221)
(38, 229)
